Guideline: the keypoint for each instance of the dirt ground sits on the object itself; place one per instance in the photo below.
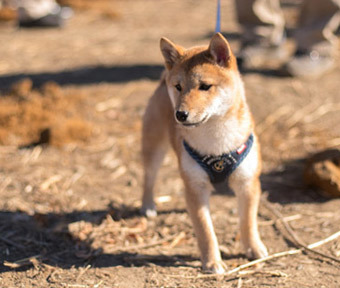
(70, 174)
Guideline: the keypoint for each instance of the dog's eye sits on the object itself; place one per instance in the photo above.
(204, 87)
(178, 87)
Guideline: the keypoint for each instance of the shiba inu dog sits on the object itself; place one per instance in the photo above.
(200, 109)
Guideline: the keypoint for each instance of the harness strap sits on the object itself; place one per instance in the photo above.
(220, 167)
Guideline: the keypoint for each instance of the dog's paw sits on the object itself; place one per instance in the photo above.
(148, 212)
(257, 251)
(214, 267)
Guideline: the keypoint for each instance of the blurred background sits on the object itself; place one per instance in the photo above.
(72, 97)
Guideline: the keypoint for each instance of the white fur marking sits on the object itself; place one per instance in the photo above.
(172, 96)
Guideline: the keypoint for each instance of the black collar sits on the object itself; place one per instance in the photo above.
(220, 167)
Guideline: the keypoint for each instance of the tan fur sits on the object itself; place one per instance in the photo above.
(218, 122)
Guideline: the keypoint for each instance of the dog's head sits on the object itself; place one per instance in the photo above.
(201, 81)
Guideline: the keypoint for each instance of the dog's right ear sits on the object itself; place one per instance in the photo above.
(219, 49)
(171, 52)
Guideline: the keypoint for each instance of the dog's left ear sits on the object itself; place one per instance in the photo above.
(219, 49)
(171, 52)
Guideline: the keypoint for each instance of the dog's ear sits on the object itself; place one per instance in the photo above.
(171, 52)
(219, 49)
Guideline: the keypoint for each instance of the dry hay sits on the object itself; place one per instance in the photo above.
(7, 14)
(294, 132)
(323, 171)
(46, 116)
(102, 7)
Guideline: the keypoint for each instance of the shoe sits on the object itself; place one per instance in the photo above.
(308, 64)
(257, 55)
(54, 19)
(50, 20)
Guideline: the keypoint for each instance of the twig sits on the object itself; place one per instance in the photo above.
(74, 178)
(239, 283)
(297, 240)
(272, 118)
(50, 181)
(74, 285)
(177, 239)
(5, 184)
(270, 257)
(68, 285)
(322, 110)
(23, 262)
(287, 218)
(98, 284)
(142, 246)
(239, 274)
(265, 259)
(151, 258)
(33, 156)
(83, 272)
(108, 104)
(300, 114)
(224, 249)
(10, 242)
(267, 273)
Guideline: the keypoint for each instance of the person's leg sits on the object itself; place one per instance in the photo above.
(262, 25)
(319, 19)
(261, 20)
(315, 39)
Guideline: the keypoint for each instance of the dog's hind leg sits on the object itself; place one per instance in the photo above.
(155, 143)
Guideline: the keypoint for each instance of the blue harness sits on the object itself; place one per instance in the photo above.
(220, 167)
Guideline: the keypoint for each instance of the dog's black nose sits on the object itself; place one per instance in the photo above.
(182, 116)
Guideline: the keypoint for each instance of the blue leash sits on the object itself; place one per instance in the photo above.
(218, 17)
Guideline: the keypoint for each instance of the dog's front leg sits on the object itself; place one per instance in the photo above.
(197, 193)
(248, 193)
(246, 184)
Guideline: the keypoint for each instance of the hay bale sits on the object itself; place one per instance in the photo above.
(7, 14)
(49, 115)
(322, 171)
(105, 8)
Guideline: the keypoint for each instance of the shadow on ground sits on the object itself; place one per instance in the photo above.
(23, 236)
(286, 185)
(107, 74)
(87, 75)
(45, 238)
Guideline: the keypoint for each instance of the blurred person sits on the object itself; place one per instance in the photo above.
(39, 13)
(264, 34)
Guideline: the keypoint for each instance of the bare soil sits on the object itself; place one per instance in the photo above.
(70, 174)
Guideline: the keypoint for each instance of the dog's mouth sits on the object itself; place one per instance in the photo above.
(195, 124)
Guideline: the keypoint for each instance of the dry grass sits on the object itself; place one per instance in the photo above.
(7, 14)
(104, 8)
(49, 115)
(69, 217)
